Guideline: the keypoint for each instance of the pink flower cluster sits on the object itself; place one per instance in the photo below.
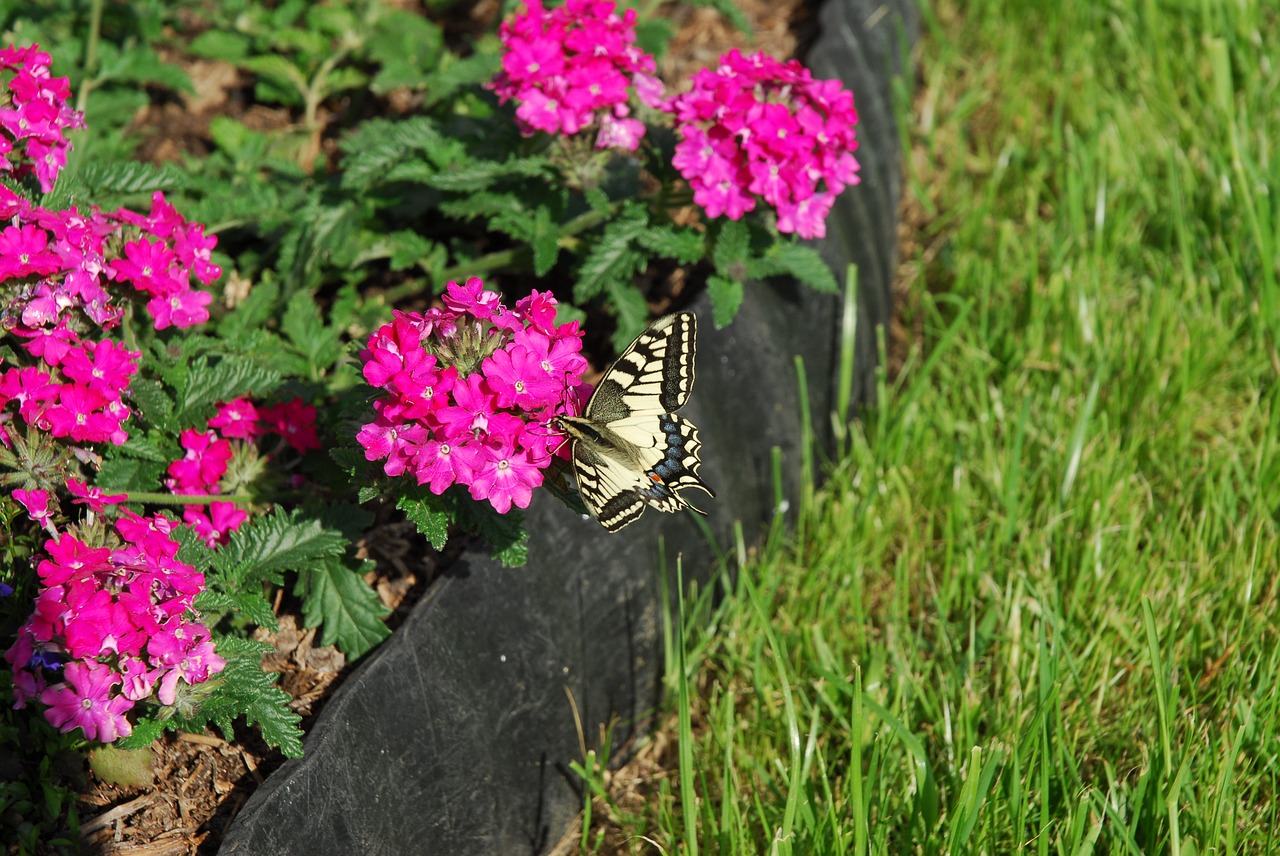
(56, 268)
(201, 469)
(34, 116)
(470, 390)
(756, 127)
(120, 624)
(573, 67)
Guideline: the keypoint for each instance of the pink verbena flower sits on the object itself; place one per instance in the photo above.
(34, 116)
(119, 622)
(755, 128)
(468, 392)
(573, 67)
(86, 700)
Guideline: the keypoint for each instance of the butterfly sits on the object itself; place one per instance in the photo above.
(630, 448)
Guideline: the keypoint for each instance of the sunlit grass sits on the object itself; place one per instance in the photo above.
(1034, 607)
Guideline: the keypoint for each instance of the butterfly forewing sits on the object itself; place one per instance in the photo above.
(629, 446)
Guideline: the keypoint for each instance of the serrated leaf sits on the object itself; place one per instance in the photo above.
(807, 265)
(545, 242)
(612, 258)
(732, 248)
(684, 245)
(338, 600)
(222, 381)
(250, 606)
(653, 35)
(504, 533)
(429, 513)
(129, 475)
(726, 298)
(407, 47)
(479, 174)
(631, 310)
(304, 328)
(145, 732)
(279, 542)
(455, 73)
(153, 403)
(246, 690)
(730, 10)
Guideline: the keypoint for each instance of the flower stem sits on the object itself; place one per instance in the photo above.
(91, 52)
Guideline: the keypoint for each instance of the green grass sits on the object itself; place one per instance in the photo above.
(1034, 607)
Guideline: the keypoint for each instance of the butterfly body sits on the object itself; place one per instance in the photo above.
(630, 447)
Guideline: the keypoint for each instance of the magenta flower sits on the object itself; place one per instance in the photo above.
(94, 497)
(37, 503)
(460, 387)
(756, 128)
(573, 67)
(215, 527)
(237, 419)
(24, 251)
(295, 421)
(505, 476)
(84, 701)
(518, 379)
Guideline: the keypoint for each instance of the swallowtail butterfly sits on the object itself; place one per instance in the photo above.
(630, 448)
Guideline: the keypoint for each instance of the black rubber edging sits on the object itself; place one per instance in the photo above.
(455, 736)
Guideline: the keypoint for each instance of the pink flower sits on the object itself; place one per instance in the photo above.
(573, 67)
(103, 366)
(203, 465)
(182, 309)
(237, 419)
(459, 389)
(84, 701)
(94, 497)
(24, 252)
(295, 421)
(505, 476)
(518, 380)
(37, 504)
(215, 528)
(755, 127)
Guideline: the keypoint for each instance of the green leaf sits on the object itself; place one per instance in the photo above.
(303, 326)
(139, 64)
(804, 263)
(732, 249)
(612, 258)
(244, 689)
(336, 598)
(153, 403)
(249, 606)
(128, 474)
(221, 44)
(224, 380)
(730, 10)
(479, 174)
(504, 533)
(428, 512)
(455, 73)
(277, 542)
(145, 732)
(726, 298)
(653, 35)
(545, 242)
(407, 47)
(631, 310)
(682, 244)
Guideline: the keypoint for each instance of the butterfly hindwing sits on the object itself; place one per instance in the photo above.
(630, 448)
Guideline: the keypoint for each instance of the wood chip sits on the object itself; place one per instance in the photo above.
(107, 818)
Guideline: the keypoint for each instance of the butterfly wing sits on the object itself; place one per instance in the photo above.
(630, 448)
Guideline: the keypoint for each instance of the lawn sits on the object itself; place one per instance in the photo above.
(1032, 607)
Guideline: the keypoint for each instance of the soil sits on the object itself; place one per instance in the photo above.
(202, 780)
